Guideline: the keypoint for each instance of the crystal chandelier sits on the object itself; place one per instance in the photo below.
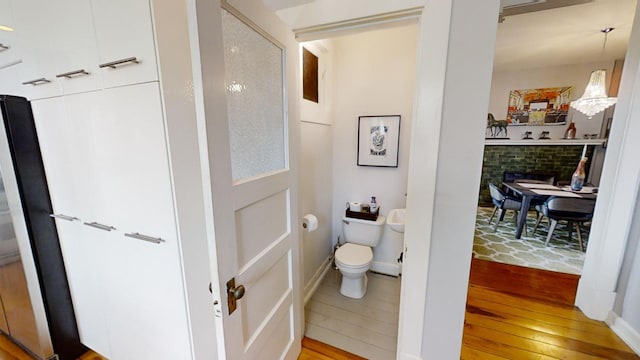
(595, 99)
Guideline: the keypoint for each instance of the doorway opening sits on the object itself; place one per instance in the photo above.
(533, 145)
(533, 264)
(364, 73)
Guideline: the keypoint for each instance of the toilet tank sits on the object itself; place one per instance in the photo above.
(363, 232)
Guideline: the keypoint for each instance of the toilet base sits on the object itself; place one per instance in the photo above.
(354, 287)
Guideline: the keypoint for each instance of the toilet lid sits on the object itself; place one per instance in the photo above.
(354, 254)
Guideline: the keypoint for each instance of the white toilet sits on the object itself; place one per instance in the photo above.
(355, 256)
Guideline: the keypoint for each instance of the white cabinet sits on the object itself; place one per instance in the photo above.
(67, 137)
(10, 81)
(58, 43)
(105, 156)
(125, 40)
(85, 258)
(73, 46)
(8, 51)
(131, 149)
(148, 314)
(35, 42)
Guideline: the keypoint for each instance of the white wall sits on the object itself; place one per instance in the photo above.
(570, 75)
(316, 168)
(458, 41)
(374, 75)
(315, 189)
(629, 284)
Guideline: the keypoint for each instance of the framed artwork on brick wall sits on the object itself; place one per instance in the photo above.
(545, 106)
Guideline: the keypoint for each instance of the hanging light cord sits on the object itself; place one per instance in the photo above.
(606, 32)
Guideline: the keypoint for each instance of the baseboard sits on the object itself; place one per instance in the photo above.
(315, 281)
(594, 303)
(386, 268)
(405, 356)
(628, 334)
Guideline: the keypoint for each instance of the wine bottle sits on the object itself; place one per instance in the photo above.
(570, 132)
(577, 179)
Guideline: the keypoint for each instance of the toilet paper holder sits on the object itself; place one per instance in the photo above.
(309, 222)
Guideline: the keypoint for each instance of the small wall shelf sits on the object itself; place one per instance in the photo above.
(490, 142)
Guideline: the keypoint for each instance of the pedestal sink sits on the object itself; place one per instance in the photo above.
(395, 220)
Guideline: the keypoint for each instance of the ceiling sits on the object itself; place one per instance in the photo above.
(565, 35)
(568, 33)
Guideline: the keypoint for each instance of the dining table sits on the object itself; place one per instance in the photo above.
(530, 191)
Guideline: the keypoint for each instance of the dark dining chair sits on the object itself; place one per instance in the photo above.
(573, 210)
(502, 202)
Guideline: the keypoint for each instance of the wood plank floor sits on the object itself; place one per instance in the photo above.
(316, 350)
(528, 282)
(367, 327)
(528, 314)
(501, 322)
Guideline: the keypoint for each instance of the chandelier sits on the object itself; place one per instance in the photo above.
(595, 99)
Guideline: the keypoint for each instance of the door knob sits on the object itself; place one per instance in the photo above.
(234, 293)
(237, 292)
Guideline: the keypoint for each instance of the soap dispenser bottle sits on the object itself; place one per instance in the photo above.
(373, 207)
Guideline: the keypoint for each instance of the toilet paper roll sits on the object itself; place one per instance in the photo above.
(355, 206)
(309, 222)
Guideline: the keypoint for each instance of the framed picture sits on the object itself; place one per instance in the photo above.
(378, 140)
(545, 106)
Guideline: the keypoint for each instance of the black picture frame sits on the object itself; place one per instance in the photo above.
(378, 140)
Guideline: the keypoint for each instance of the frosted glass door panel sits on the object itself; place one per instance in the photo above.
(255, 99)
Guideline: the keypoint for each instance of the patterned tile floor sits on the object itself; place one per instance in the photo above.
(560, 255)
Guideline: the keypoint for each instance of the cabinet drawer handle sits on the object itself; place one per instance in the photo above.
(63, 217)
(100, 226)
(71, 74)
(114, 64)
(36, 82)
(139, 236)
(4, 47)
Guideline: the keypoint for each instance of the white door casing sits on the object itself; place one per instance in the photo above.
(248, 134)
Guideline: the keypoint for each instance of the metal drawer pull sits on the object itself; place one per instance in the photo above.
(37, 82)
(4, 47)
(100, 226)
(139, 236)
(114, 64)
(71, 74)
(63, 217)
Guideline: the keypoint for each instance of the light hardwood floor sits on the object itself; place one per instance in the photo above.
(522, 313)
(509, 316)
(316, 350)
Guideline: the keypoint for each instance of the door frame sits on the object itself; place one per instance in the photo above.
(428, 225)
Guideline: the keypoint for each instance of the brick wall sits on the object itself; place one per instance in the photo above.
(562, 159)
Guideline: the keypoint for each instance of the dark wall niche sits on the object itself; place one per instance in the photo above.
(309, 76)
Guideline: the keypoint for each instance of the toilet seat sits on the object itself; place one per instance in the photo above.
(353, 256)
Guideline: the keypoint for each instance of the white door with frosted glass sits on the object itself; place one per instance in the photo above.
(251, 141)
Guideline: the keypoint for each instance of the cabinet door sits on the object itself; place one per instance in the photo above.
(147, 306)
(145, 277)
(10, 81)
(85, 254)
(122, 35)
(66, 137)
(76, 53)
(8, 50)
(34, 42)
(132, 153)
